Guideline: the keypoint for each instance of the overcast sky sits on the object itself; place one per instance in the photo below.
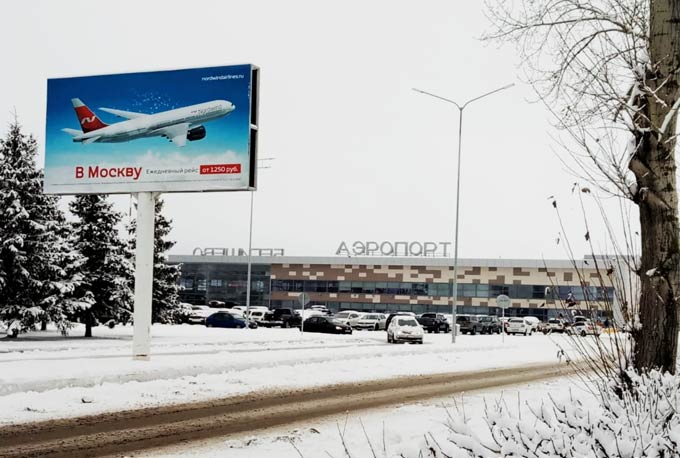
(359, 155)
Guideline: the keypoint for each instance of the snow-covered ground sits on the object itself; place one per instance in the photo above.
(44, 375)
(404, 427)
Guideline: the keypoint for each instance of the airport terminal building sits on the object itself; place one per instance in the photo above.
(541, 288)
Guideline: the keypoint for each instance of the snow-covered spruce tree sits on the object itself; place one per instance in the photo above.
(165, 304)
(107, 271)
(39, 270)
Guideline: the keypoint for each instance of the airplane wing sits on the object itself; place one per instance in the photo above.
(91, 140)
(176, 133)
(72, 132)
(124, 114)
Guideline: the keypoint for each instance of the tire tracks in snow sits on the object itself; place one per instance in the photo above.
(297, 357)
(134, 430)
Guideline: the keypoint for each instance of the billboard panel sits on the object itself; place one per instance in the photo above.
(167, 131)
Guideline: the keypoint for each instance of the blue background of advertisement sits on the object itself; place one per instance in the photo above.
(148, 92)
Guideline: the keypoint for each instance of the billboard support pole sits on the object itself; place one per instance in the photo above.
(146, 212)
(250, 250)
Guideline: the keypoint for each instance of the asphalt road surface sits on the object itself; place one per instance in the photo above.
(125, 432)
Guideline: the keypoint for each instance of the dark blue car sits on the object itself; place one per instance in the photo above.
(227, 320)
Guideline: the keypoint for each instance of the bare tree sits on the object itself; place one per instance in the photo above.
(609, 71)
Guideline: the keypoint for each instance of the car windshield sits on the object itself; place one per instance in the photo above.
(407, 322)
(485, 318)
(429, 315)
(462, 318)
(342, 315)
(517, 320)
(554, 321)
(371, 317)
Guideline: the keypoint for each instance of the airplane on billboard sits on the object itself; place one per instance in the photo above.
(178, 125)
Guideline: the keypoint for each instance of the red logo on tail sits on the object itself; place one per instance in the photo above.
(88, 120)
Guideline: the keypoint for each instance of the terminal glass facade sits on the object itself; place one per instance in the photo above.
(201, 283)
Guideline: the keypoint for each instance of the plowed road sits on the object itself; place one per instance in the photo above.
(134, 430)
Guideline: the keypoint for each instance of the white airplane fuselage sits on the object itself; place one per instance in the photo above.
(152, 125)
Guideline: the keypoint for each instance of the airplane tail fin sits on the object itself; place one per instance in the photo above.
(88, 120)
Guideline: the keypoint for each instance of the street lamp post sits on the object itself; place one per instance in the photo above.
(455, 249)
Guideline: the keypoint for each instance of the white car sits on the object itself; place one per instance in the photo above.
(308, 313)
(321, 308)
(404, 328)
(533, 321)
(519, 326)
(585, 328)
(199, 313)
(370, 321)
(244, 309)
(346, 315)
(555, 325)
(256, 315)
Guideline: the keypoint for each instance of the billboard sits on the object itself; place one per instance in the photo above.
(166, 131)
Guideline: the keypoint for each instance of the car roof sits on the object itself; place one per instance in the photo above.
(405, 317)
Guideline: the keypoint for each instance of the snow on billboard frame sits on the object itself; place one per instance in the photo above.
(186, 130)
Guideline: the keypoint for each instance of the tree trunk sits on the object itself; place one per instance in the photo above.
(89, 320)
(654, 167)
(43, 326)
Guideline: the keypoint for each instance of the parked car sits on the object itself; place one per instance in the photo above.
(555, 325)
(434, 322)
(284, 317)
(309, 313)
(520, 326)
(371, 321)
(533, 321)
(321, 308)
(326, 324)
(490, 324)
(256, 315)
(199, 313)
(405, 329)
(346, 316)
(227, 320)
(391, 315)
(354, 318)
(585, 328)
(243, 308)
(469, 323)
(504, 321)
